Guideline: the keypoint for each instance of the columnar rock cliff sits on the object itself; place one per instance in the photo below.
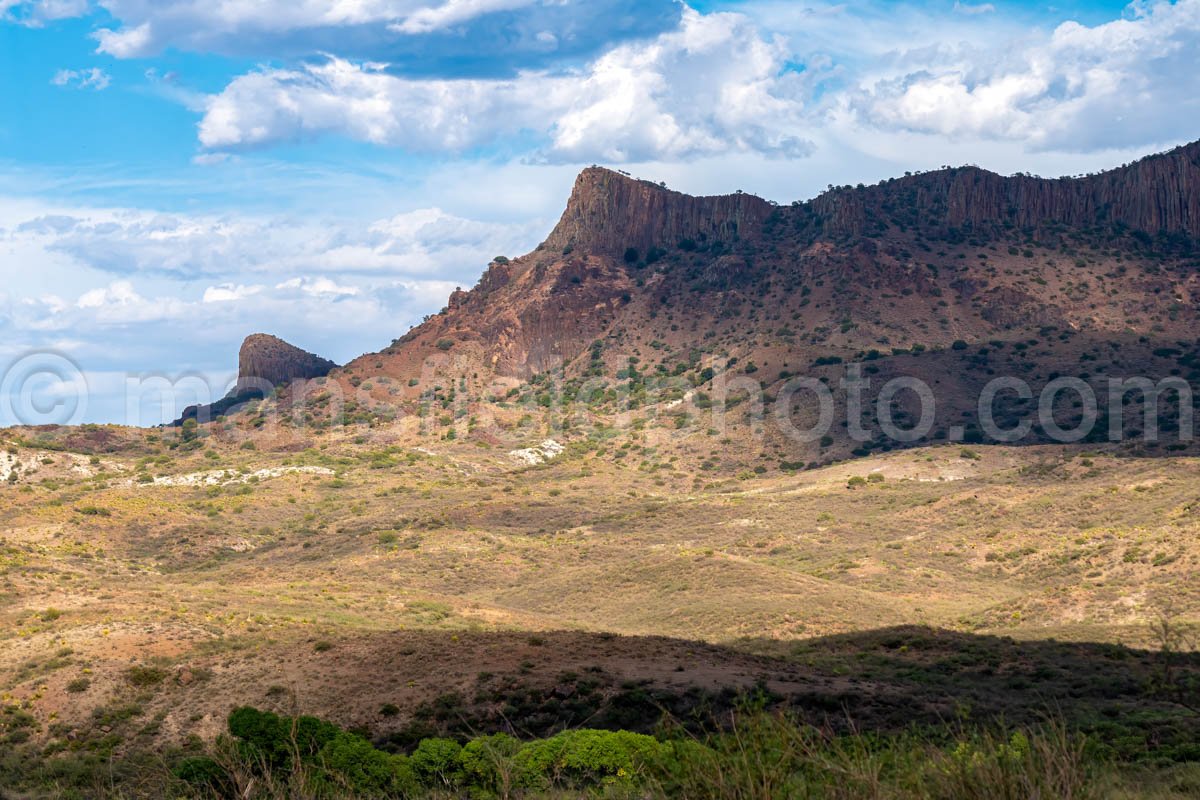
(269, 359)
(610, 213)
(1160, 193)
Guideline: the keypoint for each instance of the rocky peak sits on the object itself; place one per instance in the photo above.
(610, 212)
(271, 359)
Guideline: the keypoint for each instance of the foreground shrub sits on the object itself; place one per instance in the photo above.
(762, 757)
(587, 758)
(436, 763)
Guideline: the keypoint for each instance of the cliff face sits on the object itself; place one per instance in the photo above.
(270, 359)
(609, 213)
(1160, 193)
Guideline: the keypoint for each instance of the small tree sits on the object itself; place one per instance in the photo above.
(1173, 638)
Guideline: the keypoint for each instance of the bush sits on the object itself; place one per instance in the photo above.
(204, 774)
(487, 763)
(435, 762)
(352, 763)
(274, 739)
(145, 676)
(585, 757)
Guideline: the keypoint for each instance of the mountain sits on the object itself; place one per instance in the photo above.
(928, 259)
(952, 277)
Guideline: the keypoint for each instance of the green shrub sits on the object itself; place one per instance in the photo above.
(204, 774)
(487, 763)
(274, 739)
(145, 676)
(351, 762)
(585, 757)
(435, 763)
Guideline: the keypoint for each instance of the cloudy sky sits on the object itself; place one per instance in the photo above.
(177, 174)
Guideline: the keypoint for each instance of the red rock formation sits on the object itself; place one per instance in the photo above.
(265, 358)
(1158, 193)
(609, 213)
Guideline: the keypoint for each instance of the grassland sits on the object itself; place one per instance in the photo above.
(412, 587)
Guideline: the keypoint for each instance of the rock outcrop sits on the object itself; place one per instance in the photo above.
(269, 360)
(610, 213)
(265, 363)
(1159, 193)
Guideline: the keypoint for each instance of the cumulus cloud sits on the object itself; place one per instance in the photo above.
(229, 293)
(1129, 81)
(94, 78)
(714, 85)
(119, 303)
(319, 287)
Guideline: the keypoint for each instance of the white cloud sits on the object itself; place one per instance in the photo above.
(148, 26)
(210, 159)
(229, 293)
(969, 8)
(712, 86)
(1129, 81)
(120, 304)
(94, 78)
(126, 42)
(35, 13)
(319, 287)
(229, 276)
(452, 12)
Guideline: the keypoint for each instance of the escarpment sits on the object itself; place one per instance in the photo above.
(611, 213)
(1159, 194)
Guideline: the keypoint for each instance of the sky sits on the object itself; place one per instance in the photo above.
(178, 174)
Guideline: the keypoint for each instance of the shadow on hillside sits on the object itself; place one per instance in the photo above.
(881, 681)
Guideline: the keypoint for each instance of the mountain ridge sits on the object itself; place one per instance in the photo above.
(621, 240)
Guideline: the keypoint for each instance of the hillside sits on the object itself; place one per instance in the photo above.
(925, 259)
(406, 587)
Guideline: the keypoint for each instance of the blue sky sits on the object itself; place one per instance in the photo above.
(177, 174)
